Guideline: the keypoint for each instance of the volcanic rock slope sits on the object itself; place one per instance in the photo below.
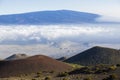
(30, 65)
(96, 55)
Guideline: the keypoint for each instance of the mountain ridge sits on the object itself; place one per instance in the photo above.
(16, 57)
(96, 55)
(49, 17)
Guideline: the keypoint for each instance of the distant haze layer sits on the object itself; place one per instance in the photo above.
(56, 39)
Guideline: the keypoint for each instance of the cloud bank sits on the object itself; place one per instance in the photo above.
(44, 33)
(56, 40)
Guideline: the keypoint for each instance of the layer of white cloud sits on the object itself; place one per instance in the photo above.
(36, 34)
(108, 19)
(57, 40)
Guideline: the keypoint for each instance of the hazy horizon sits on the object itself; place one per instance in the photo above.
(56, 40)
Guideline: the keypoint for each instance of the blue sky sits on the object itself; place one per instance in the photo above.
(104, 7)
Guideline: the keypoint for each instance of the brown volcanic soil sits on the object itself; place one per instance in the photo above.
(30, 65)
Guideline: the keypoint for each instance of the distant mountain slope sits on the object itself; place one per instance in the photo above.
(16, 57)
(62, 58)
(49, 17)
(30, 65)
(96, 55)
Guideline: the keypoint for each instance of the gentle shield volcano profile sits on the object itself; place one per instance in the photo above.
(49, 17)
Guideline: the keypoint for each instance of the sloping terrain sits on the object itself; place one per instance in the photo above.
(62, 58)
(30, 65)
(16, 57)
(96, 55)
(49, 17)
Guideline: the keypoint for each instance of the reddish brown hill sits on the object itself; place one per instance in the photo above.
(31, 65)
